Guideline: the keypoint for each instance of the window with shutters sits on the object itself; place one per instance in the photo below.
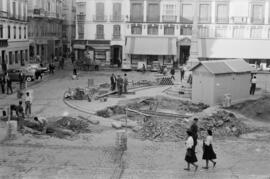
(153, 12)
(20, 32)
(1, 31)
(14, 9)
(256, 33)
(221, 32)
(9, 32)
(169, 30)
(136, 12)
(100, 11)
(222, 12)
(117, 12)
(10, 58)
(203, 32)
(116, 32)
(169, 13)
(136, 29)
(81, 31)
(205, 13)
(238, 32)
(186, 30)
(25, 32)
(14, 32)
(186, 13)
(100, 31)
(257, 14)
(152, 30)
(16, 57)
(19, 10)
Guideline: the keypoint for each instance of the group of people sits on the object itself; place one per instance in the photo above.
(191, 143)
(6, 83)
(120, 83)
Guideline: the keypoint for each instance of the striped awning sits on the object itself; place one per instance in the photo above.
(151, 45)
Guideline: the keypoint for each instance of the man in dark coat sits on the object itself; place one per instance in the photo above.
(2, 83)
(9, 85)
(120, 83)
(113, 82)
(194, 131)
(21, 80)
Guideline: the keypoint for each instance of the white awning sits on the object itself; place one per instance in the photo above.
(151, 46)
(233, 48)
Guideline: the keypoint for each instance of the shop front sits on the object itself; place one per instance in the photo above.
(99, 51)
(151, 50)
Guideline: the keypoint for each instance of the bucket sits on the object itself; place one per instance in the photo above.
(121, 140)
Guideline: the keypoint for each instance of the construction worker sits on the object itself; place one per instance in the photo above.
(120, 82)
(20, 116)
(43, 123)
(125, 83)
(28, 104)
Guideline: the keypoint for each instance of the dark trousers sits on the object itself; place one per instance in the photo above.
(113, 85)
(3, 88)
(120, 89)
(9, 88)
(125, 88)
(27, 108)
(252, 89)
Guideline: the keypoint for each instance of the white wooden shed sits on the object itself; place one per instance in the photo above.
(211, 80)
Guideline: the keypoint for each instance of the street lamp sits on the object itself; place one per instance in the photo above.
(194, 50)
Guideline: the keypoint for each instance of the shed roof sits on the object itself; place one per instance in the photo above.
(225, 66)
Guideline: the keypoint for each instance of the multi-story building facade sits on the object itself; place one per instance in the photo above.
(14, 44)
(161, 30)
(69, 26)
(45, 29)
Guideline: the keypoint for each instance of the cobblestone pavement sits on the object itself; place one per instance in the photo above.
(94, 156)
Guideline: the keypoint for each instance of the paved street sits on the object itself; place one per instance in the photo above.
(94, 156)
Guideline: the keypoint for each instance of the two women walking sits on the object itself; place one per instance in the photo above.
(191, 142)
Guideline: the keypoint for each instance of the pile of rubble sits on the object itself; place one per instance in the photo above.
(222, 123)
(74, 124)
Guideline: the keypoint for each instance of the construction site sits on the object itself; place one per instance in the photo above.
(95, 132)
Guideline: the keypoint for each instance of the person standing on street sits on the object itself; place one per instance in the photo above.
(28, 104)
(253, 85)
(182, 73)
(125, 83)
(173, 73)
(20, 116)
(120, 82)
(9, 85)
(113, 82)
(2, 83)
(190, 157)
(21, 80)
(194, 131)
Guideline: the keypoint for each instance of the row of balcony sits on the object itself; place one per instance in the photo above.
(101, 36)
(7, 15)
(30, 34)
(3, 42)
(174, 19)
(42, 13)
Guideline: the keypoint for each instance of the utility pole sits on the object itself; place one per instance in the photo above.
(194, 49)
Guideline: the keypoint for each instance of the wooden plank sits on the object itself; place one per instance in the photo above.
(106, 94)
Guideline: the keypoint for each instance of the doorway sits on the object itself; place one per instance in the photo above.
(116, 55)
(184, 54)
(3, 61)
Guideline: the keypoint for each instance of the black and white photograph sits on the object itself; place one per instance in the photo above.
(134, 89)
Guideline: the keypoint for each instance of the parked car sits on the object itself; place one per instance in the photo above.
(36, 66)
(15, 72)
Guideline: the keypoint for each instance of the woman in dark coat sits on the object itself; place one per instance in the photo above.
(190, 157)
(208, 152)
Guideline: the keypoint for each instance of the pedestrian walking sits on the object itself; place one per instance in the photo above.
(194, 132)
(20, 116)
(208, 152)
(3, 84)
(120, 82)
(9, 85)
(28, 104)
(172, 73)
(190, 157)
(113, 82)
(182, 73)
(21, 80)
(253, 85)
(125, 83)
(143, 68)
